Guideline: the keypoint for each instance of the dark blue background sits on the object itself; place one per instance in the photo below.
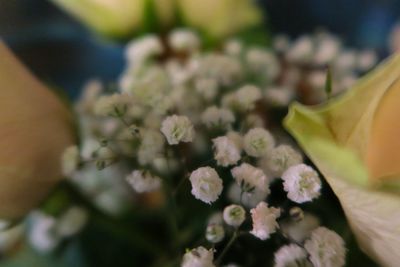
(65, 54)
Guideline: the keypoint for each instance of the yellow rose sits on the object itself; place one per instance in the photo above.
(219, 18)
(355, 142)
(118, 18)
(35, 128)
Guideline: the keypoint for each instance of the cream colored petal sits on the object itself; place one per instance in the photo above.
(35, 127)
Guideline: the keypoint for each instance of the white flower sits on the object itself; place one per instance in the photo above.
(198, 257)
(141, 49)
(258, 142)
(291, 255)
(366, 60)
(264, 220)
(151, 146)
(143, 181)
(327, 49)
(207, 88)
(300, 229)
(71, 221)
(177, 129)
(263, 61)
(233, 47)
(42, 235)
(217, 117)
(184, 40)
(301, 50)
(250, 178)
(302, 183)
(326, 248)
(234, 215)
(215, 233)
(281, 43)
(112, 105)
(247, 199)
(226, 151)
(70, 160)
(206, 184)
(244, 99)
(279, 96)
(280, 158)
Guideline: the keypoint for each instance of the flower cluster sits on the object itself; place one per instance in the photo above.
(180, 116)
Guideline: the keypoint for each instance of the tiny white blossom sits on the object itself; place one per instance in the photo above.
(247, 199)
(302, 183)
(206, 184)
(327, 49)
(233, 47)
(264, 61)
(42, 235)
(264, 220)
(207, 88)
(326, 248)
(280, 158)
(301, 50)
(300, 229)
(279, 96)
(217, 117)
(215, 233)
(250, 178)
(177, 129)
(216, 218)
(183, 40)
(198, 257)
(71, 221)
(234, 215)
(112, 105)
(345, 61)
(291, 255)
(143, 48)
(143, 181)
(226, 151)
(244, 99)
(151, 146)
(258, 142)
(70, 160)
(366, 60)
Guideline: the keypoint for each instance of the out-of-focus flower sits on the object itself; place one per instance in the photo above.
(250, 178)
(226, 151)
(143, 181)
(198, 257)
(234, 215)
(219, 18)
(214, 117)
(280, 158)
(70, 160)
(120, 18)
(206, 184)
(291, 255)
(302, 183)
(354, 142)
(184, 40)
(215, 233)
(326, 248)
(36, 129)
(264, 220)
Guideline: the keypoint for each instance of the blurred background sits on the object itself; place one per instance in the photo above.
(65, 54)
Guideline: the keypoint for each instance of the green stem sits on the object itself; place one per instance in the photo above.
(227, 247)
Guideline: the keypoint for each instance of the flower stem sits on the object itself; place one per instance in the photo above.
(227, 247)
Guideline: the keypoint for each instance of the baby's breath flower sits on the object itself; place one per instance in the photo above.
(143, 48)
(254, 121)
(225, 151)
(206, 184)
(300, 229)
(302, 183)
(279, 96)
(71, 221)
(280, 158)
(70, 160)
(327, 49)
(207, 88)
(326, 248)
(250, 178)
(291, 255)
(264, 220)
(233, 47)
(184, 40)
(247, 199)
(258, 141)
(151, 146)
(41, 234)
(143, 181)
(177, 129)
(216, 218)
(234, 215)
(236, 138)
(214, 117)
(244, 99)
(112, 105)
(301, 50)
(366, 60)
(198, 257)
(263, 61)
(215, 233)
